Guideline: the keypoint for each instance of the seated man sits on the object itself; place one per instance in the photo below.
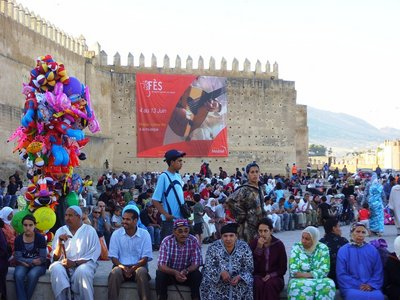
(100, 220)
(130, 250)
(76, 250)
(179, 261)
(148, 220)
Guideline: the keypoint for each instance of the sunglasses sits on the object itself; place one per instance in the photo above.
(96, 212)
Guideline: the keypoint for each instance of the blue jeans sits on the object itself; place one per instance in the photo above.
(31, 274)
(89, 199)
(10, 200)
(154, 234)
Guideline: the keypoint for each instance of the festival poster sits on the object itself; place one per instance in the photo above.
(184, 112)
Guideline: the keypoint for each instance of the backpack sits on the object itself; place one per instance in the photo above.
(388, 217)
(382, 247)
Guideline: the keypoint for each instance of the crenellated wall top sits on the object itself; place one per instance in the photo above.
(20, 14)
(237, 69)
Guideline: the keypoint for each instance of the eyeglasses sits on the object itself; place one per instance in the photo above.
(96, 212)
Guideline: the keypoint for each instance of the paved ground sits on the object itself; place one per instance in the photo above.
(287, 237)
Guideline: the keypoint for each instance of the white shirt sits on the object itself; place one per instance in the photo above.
(130, 249)
(84, 245)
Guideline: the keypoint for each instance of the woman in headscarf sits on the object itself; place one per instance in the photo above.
(359, 267)
(6, 214)
(246, 204)
(309, 267)
(392, 273)
(270, 262)
(375, 201)
(228, 270)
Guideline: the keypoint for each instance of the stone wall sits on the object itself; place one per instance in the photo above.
(264, 122)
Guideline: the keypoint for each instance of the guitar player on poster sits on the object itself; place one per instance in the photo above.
(200, 113)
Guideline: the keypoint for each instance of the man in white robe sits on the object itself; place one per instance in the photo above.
(73, 271)
(394, 204)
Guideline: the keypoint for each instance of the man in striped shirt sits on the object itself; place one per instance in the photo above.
(179, 261)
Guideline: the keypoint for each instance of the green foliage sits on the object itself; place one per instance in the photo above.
(317, 150)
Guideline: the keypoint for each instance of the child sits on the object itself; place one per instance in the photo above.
(364, 214)
(116, 220)
(198, 212)
(85, 216)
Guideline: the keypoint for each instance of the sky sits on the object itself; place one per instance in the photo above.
(344, 55)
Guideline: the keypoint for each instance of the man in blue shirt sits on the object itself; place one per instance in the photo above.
(290, 207)
(130, 250)
(164, 197)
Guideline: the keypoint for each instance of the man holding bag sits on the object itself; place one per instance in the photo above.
(168, 195)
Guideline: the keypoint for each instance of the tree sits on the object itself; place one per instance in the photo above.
(317, 150)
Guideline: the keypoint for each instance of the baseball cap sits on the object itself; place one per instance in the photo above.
(173, 154)
(180, 222)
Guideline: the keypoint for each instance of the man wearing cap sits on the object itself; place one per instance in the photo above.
(76, 250)
(130, 250)
(179, 261)
(164, 197)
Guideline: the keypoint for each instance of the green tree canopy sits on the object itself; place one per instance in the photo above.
(317, 150)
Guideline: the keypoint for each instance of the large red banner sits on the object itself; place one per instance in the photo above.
(184, 112)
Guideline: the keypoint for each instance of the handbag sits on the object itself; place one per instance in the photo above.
(185, 210)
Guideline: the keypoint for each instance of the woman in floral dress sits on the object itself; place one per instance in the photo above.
(228, 270)
(309, 267)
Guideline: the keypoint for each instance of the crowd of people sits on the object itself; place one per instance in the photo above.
(131, 218)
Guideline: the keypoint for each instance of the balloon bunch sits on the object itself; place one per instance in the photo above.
(51, 138)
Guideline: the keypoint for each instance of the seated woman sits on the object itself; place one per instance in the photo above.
(270, 262)
(359, 267)
(6, 214)
(392, 273)
(309, 267)
(227, 273)
(30, 255)
(334, 240)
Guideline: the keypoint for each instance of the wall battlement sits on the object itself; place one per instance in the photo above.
(20, 14)
(37, 24)
(235, 71)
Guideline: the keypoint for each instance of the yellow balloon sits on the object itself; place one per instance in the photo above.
(34, 147)
(45, 218)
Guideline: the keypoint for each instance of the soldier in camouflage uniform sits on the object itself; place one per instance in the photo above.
(246, 204)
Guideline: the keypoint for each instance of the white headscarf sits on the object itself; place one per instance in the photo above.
(4, 213)
(314, 233)
(209, 204)
(397, 246)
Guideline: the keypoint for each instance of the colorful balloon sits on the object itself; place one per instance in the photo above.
(74, 87)
(72, 199)
(45, 218)
(16, 221)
